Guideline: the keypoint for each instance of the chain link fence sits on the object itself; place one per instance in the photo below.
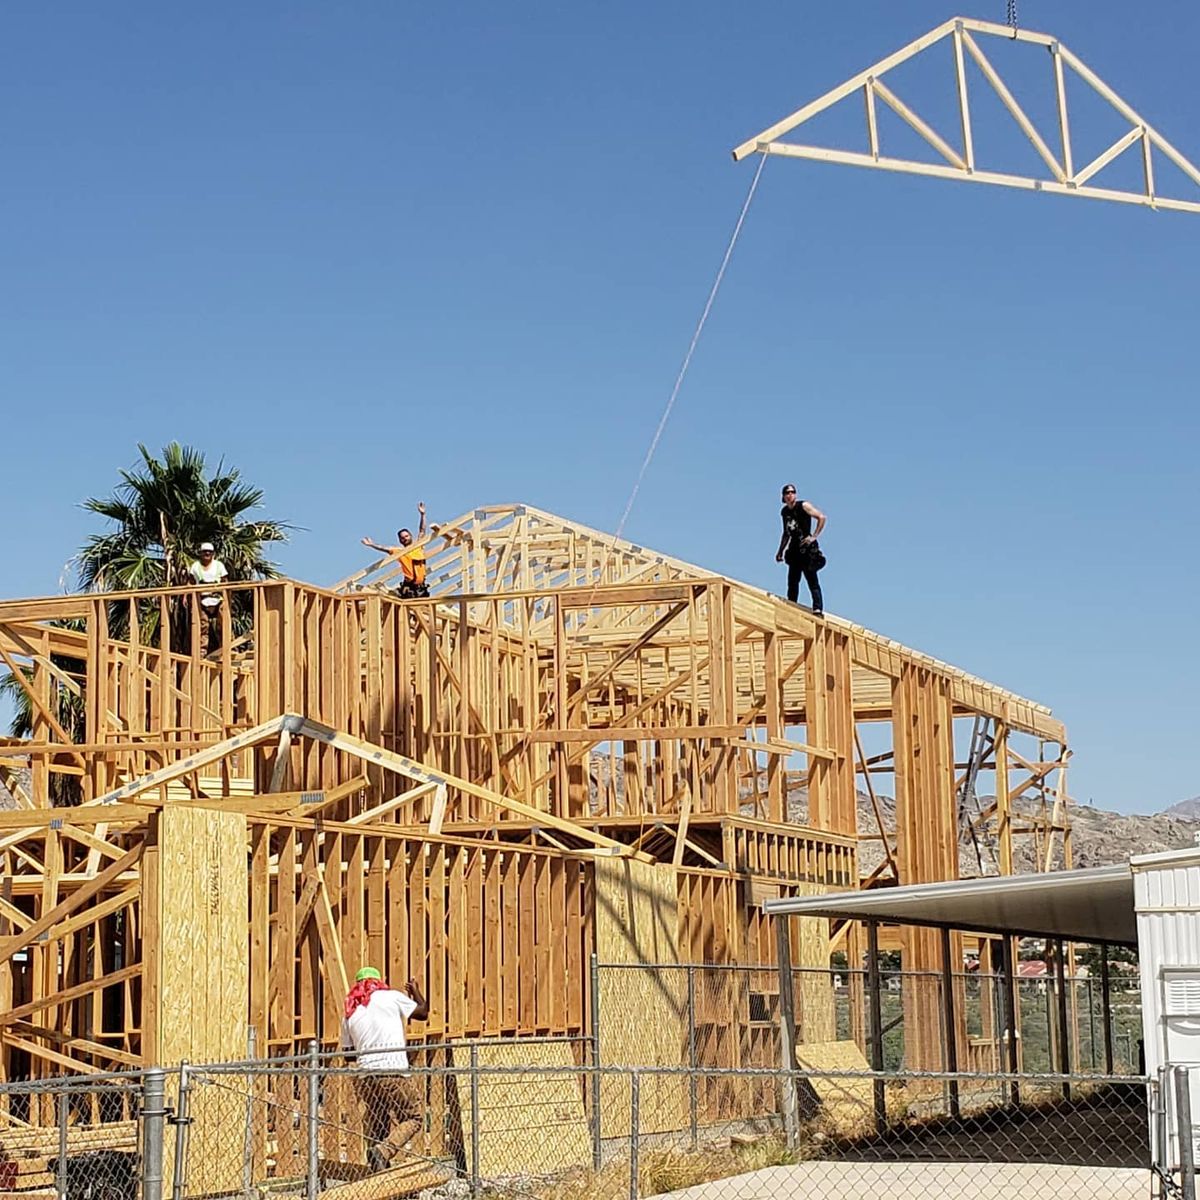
(546, 1121)
(729, 1016)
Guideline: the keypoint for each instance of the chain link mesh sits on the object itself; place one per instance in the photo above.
(679, 1090)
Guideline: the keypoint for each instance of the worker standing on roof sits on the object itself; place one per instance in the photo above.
(412, 563)
(374, 1027)
(209, 569)
(798, 547)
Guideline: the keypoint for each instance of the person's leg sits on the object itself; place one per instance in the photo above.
(812, 578)
(203, 623)
(794, 573)
(377, 1120)
(405, 1105)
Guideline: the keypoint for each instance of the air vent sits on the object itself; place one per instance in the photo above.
(1183, 997)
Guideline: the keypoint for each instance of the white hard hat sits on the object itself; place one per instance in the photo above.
(207, 546)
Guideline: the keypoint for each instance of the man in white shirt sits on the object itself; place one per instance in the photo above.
(374, 1026)
(209, 569)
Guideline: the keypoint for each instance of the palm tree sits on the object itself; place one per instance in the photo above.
(163, 509)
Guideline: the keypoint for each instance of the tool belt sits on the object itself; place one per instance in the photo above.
(807, 555)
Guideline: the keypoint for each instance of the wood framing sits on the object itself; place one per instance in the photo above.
(1065, 174)
(431, 784)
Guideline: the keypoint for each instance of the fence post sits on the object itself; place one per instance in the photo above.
(475, 1186)
(596, 1078)
(181, 1124)
(635, 1099)
(1091, 1003)
(248, 1138)
(1061, 1020)
(1160, 1114)
(153, 1111)
(875, 1026)
(787, 1031)
(950, 1021)
(1183, 1129)
(693, 1082)
(64, 1121)
(1013, 1059)
(311, 1174)
(1106, 1008)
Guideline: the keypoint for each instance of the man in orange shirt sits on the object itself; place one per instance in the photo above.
(412, 563)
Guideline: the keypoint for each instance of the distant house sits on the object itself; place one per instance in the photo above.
(1033, 968)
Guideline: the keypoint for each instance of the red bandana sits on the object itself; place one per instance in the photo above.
(361, 992)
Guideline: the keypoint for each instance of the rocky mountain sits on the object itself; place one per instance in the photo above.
(1185, 808)
(1098, 837)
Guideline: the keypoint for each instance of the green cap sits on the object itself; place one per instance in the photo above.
(367, 973)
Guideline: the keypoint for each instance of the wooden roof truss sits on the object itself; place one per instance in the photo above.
(959, 155)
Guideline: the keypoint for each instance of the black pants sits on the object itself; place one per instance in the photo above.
(409, 590)
(795, 570)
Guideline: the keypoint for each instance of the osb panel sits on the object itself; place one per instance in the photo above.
(645, 1012)
(203, 918)
(845, 1101)
(636, 912)
(816, 1013)
(528, 1122)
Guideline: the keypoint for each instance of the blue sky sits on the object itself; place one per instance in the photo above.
(379, 252)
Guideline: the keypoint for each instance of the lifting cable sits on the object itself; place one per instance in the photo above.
(687, 362)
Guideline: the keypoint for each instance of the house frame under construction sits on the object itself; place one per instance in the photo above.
(482, 788)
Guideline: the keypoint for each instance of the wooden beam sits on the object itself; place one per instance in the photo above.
(66, 995)
(51, 1056)
(394, 804)
(391, 761)
(9, 946)
(331, 946)
(40, 707)
(194, 762)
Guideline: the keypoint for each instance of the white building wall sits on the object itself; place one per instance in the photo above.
(1166, 889)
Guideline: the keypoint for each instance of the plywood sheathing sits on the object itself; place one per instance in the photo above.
(645, 1024)
(531, 1121)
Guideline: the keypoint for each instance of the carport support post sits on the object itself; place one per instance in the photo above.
(950, 1023)
(1012, 1065)
(875, 1022)
(1106, 1008)
(1185, 1133)
(787, 1030)
(1064, 1036)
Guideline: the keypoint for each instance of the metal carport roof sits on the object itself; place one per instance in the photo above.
(1095, 905)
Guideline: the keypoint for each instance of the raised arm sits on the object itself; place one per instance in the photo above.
(382, 549)
(421, 1012)
(421, 527)
(818, 516)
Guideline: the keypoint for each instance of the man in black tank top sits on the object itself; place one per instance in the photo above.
(798, 546)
